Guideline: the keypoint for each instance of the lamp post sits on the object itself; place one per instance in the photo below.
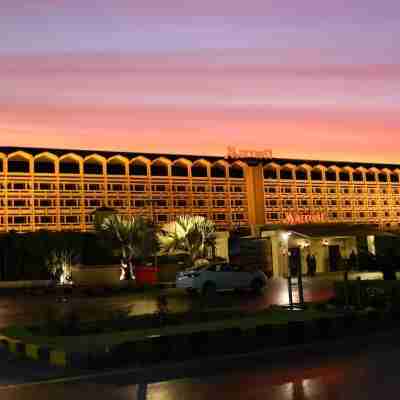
(150, 202)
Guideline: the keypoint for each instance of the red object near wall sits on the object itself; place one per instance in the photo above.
(146, 275)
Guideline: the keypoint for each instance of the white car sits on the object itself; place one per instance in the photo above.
(222, 276)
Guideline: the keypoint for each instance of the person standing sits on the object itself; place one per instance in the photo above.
(313, 265)
(352, 260)
(309, 264)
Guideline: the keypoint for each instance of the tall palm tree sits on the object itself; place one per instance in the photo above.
(133, 238)
(193, 235)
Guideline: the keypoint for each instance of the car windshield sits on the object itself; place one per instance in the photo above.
(219, 267)
(197, 268)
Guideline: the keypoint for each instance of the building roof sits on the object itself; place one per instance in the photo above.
(108, 154)
(193, 157)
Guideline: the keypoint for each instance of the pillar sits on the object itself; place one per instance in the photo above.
(371, 244)
(222, 245)
(279, 252)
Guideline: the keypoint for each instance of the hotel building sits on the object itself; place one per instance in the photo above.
(60, 190)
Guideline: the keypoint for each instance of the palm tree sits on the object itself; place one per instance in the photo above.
(133, 238)
(193, 235)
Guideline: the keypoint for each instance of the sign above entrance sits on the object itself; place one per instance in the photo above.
(232, 152)
(311, 218)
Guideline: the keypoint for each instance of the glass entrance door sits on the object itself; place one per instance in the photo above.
(294, 261)
(334, 258)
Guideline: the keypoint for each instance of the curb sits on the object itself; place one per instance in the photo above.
(33, 351)
(228, 342)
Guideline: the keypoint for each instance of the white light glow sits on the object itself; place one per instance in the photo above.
(286, 236)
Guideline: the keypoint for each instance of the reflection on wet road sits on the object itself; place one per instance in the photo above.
(358, 372)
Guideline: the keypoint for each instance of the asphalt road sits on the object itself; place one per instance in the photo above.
(26, 309)
(365, 368)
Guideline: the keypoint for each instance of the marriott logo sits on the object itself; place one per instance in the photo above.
(232, 152)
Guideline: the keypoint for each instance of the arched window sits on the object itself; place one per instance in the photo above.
(316, 174)
(93, 166)
(301, 174)
(116, 166)
(69, 165)
(138, 167)
(344, 175)
(357, 176)
(370, 176)
(179, 168)
(394, 177)
(270, 172)
(330, 175)
(218, 171)
(199, 170)
(18, 163)
(286, 173)
(44, 165)
(236, 171)
(382, 176)
(159, 168)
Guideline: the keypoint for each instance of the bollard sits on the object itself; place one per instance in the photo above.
(358, 291)
(346, 288)
(141, 393)
(300, 288)
(289, 278)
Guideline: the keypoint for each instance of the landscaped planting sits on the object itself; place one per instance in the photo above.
(139, 340)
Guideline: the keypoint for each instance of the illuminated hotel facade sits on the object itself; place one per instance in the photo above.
(61, 189)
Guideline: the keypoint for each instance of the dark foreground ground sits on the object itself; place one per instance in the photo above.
(358, 370)
(365, 368)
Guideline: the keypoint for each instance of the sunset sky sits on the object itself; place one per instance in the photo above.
(309, 79)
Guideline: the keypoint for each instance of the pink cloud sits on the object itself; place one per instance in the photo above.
(290, 132)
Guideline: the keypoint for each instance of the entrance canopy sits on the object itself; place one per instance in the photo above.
(290, 246)
(331, 230)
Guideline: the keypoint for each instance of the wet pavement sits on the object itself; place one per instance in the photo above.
(27, 308)
(364, 370)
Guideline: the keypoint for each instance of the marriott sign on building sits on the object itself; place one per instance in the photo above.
(234, 153)
(56, 190)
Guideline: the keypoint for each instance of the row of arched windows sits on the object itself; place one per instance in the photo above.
(331, 174)
(21, 162)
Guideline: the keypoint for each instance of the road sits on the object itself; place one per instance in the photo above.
(364, 369)
(26, 309)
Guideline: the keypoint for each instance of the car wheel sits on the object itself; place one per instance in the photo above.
(257, 286)
(209, 289)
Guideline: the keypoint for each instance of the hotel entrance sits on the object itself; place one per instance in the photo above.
(328, 245)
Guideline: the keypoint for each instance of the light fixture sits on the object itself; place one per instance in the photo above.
(286, 235)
